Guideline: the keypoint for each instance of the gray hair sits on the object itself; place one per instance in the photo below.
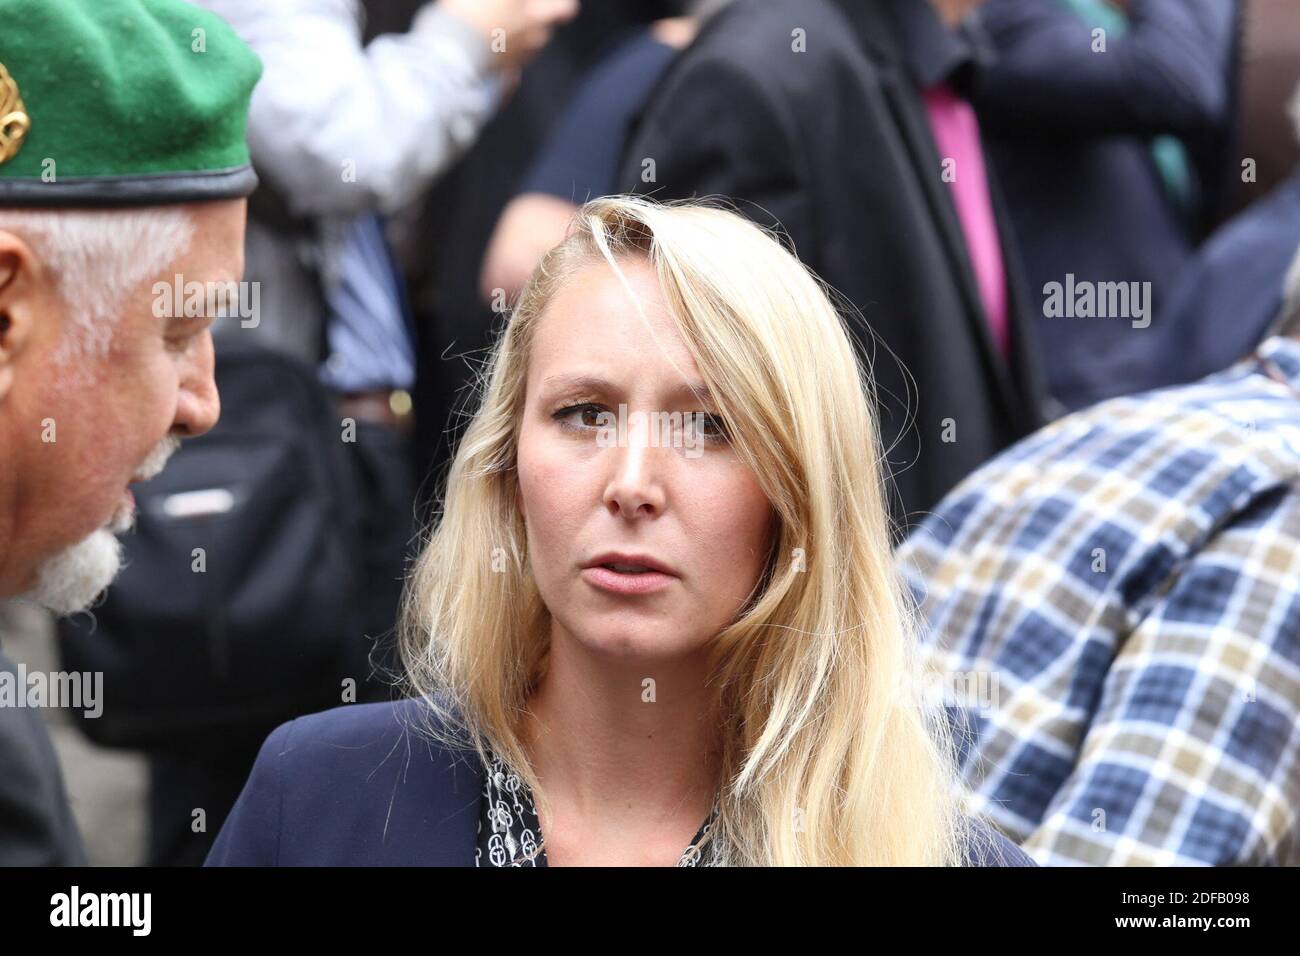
(98, 258)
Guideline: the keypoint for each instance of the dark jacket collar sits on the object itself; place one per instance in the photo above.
(910, 34)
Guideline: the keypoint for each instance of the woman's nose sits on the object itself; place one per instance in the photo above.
(636, 485)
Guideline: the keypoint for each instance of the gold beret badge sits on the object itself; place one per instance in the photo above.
(14, 121)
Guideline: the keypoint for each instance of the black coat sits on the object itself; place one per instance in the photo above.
(834, 144)
(36, 823)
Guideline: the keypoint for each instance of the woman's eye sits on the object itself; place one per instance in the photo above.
(712, 427)
(705, 426)
(587, 412)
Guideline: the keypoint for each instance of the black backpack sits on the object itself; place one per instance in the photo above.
(239, 606)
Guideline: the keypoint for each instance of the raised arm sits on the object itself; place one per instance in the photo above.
(342, 128)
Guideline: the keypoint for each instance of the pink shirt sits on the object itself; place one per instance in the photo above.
(957, 134)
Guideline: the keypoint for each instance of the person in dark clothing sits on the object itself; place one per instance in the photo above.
(580, 158)
(1229, 294)
(823, 118)
(1110, 136)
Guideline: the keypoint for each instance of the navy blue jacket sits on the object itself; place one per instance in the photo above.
(1070, 130)
(1231, 293)
(360, 786)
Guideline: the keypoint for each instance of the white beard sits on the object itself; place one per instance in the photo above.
(71, 580)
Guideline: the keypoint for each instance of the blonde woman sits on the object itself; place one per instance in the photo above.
(658, 621)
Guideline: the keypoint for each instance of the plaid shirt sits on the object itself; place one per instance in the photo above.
(1123, 588)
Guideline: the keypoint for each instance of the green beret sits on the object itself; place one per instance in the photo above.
(121, 103)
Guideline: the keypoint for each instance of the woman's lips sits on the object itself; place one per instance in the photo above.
(617, 582)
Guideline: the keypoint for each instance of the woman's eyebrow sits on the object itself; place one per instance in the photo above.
(594, 383)
(591, 383)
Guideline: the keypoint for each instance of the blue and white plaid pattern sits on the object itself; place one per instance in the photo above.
(1125, 584)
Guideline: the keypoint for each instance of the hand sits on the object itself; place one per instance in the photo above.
(676, 32)
(953, 12)
(513, 29)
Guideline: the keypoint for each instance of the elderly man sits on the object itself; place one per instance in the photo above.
(122, 165)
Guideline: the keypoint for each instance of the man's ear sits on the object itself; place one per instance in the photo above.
(17, 304)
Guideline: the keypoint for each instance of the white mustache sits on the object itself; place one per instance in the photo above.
(156, 460)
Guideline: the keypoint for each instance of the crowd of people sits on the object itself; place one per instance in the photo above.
(995, 307)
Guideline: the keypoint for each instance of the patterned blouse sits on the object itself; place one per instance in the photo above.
(509, 833)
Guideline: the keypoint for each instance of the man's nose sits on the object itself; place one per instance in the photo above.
(198, 406)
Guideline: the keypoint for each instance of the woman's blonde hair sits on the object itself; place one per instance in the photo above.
(830, 756)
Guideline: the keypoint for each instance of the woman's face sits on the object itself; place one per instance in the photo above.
(680, 498)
